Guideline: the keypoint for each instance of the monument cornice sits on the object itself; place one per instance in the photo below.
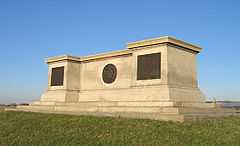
(62, 58)
(88, 58)
(106, 55)
(130, 49)
(163, 40)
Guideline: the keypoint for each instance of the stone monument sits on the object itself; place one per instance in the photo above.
(154, 79)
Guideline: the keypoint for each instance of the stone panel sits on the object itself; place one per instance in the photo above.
(182, 70)
(91, 73)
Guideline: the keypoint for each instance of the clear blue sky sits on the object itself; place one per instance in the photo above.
(31, 30)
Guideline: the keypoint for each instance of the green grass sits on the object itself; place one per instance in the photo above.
(20, 128)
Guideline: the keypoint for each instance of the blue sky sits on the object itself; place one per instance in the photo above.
(31, 30)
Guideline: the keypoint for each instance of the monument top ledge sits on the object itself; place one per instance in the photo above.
(161, 40)
(130, 48)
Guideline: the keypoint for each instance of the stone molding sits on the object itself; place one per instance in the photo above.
(130, 48)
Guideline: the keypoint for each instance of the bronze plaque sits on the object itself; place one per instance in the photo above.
(57, 76)
(149, 66)
(109, 73)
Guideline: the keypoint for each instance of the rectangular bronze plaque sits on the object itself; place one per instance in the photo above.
(149, 66)
(57, 76)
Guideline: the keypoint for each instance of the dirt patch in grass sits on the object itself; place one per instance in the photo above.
(2, 108)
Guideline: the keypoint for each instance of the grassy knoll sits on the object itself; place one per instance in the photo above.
(20, 128)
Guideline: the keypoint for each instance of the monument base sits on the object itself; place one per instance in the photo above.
(154, 79)
(167, 111)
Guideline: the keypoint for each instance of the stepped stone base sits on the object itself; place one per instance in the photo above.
(167, 111)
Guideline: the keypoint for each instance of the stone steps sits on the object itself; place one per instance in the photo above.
(157, 113)
(205, 110)
(172, 113)
(142, 115)
(142, 109)
(130, 103)
(109, 103)
(138, 115)
(71, 108)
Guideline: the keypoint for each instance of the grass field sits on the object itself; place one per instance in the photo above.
(20, 128)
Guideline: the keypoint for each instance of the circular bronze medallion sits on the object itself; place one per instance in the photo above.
(109, 73)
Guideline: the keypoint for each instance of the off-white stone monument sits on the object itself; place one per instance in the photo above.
(154, 79)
